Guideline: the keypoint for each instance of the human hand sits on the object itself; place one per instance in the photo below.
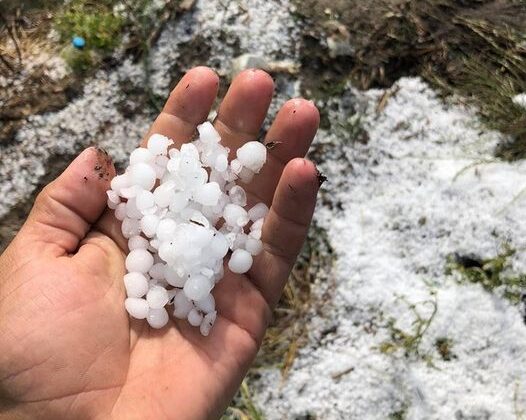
(68, 348)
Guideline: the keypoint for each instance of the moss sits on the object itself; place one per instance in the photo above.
(492, 273)
(94, 21)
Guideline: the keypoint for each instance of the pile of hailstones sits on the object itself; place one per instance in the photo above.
(171, 203)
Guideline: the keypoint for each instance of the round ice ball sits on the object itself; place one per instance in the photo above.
(240, 261)
(258, 211)
(120, 211)
(207, 194)
(235, 215)
(143, 175)
(158, 144)
(130, 227)
(197, 287)
(252, 155)
(157, 318)
(144, 200)
(207, 304)
(207, 323)
(137, 242)
(136, 285)
(218, 246)
(253, 245)
(141, 154)
(119, 182)
(195, 318)
(157, 297)
(207, 133)
(139, 260)
(173, 278)
(182, 306)
(149, 225)
(136, 307)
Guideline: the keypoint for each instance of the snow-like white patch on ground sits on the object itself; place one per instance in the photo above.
(259, 26)
(520, 100)
(408, 202)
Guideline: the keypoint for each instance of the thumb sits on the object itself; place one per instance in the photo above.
(67, 207)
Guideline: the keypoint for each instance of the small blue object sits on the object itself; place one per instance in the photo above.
(78, 42)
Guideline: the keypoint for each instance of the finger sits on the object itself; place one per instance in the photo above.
(188, 105)
(244, 108)
(292, 133)
(66, 208)
(285, 228)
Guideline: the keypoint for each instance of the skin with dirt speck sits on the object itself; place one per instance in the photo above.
(68, 347)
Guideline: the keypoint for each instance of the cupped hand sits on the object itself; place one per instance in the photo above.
(68, 348)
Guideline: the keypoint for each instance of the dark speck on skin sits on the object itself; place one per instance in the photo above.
(187, 86)
(292, 188)
(272, 144)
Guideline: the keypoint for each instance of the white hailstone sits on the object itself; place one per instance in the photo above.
(235, 215)
(180, 246)
(221, 163)
(182, 306)
(257, 225)
(197, 287)
(130, 227)
(157, 271)
(207, 304)
(141, 154)
(131, 209)
(130, 192)
(189, 149)
(158, 144)
(236, 166)
(246, 175)
(238, 196)
(113, 199)
(207, 133)
(252, 155)
(143, 175)
(120, 211)
(136, 307)
(139, 260)
(253, 245)
(173, 278)
(218, 247)
(240, 261)
(144, 200)
(137, 242)
(256, 234)
(119, 182)
(157, 297)
(259, 211)
(136, 285)
(179, 201)
(195, 318)
(207, 323)
(149, 225)
(164, 194)
(207, 194)
(157, 318)
(166, 229)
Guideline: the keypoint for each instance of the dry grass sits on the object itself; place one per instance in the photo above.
(476, 48)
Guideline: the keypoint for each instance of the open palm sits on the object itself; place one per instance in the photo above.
(69, 350)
